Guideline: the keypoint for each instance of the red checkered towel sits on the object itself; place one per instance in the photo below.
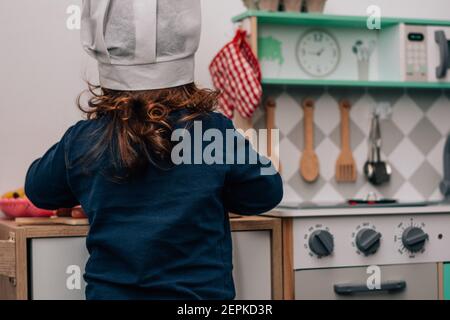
(236, 72)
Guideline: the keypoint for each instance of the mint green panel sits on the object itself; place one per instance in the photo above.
(270, 48)
(447, 281)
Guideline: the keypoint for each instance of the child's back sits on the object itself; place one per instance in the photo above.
(159, 228)
(162, 234)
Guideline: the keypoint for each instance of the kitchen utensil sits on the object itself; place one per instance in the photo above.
(363, 52)
(369, 165)
(357, 50)
(270, 125)
(377, 171)
(345, 165)
(316, 6)
(383, 170)
(51, 221)
(293, 5)
(22, 207)
(309, 163)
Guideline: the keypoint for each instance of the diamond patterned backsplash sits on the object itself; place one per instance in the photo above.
(413, 141)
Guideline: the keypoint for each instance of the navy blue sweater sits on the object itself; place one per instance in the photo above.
(164, 234)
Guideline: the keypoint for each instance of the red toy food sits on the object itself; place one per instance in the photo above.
(22, 207)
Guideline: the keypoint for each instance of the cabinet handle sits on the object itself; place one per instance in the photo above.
(349, 289)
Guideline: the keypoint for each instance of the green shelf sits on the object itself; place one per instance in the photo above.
(354, 83)
(327, 20)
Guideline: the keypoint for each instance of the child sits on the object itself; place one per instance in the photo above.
(158, 230)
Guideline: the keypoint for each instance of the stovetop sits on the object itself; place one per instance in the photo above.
(299, 210)
(344, 235)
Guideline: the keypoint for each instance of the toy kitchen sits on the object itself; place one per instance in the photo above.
(362, 111)
(364, 215)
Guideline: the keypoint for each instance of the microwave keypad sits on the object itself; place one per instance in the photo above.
(416, 59)
(416, 56)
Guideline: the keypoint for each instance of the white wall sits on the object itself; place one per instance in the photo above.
(42, 66)
(432, 9)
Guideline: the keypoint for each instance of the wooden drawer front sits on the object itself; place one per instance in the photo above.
(8, 258)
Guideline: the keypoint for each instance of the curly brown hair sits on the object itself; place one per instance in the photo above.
(138, 129)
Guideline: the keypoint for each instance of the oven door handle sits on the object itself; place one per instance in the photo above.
(349, 289)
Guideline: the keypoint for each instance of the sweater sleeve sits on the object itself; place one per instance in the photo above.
(251, 187)
(46, 183)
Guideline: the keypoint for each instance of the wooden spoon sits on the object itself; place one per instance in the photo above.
(309, 163)
(345, 164)
(270, 125)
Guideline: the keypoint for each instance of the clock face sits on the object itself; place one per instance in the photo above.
(318, 53)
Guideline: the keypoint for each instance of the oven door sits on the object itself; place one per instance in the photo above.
(406, 282)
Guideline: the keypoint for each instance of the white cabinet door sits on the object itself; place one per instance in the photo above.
(57, 266)
(252, 265)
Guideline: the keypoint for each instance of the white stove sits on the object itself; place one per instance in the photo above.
(353, 238)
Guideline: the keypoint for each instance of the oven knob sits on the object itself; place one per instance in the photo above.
(414, 239)
(368, 241)
(321, 243)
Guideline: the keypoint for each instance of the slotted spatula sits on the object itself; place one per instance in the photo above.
(345, 165)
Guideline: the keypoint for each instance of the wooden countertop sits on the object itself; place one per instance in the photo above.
(241, 223)
(14, 253)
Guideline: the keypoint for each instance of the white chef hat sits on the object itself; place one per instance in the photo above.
(142, 44)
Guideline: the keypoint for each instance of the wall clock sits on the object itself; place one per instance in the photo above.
(318, 53)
